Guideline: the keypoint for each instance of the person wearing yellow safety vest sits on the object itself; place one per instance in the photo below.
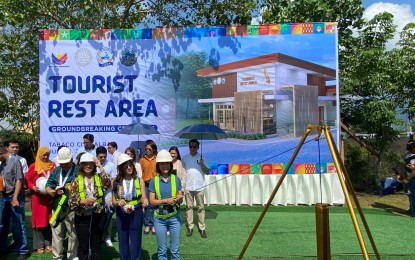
(129, 198)
(166, 195)
(62, 221)
(87, 200)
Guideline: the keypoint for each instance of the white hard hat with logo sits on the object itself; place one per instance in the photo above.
(163, 156)
(64, 155)
(123, 158)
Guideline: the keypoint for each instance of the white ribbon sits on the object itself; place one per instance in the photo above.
(89, 188)
(128, 191)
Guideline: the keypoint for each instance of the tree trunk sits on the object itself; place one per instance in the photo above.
(378, 169)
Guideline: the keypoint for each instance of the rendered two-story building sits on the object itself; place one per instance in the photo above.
(273, 94)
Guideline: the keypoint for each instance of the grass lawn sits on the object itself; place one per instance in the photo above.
(286, 233)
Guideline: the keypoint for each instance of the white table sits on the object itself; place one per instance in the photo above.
(256, 189)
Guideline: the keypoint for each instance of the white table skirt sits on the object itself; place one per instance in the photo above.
(256, 189)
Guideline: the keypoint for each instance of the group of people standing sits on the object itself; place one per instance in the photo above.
(76, 196)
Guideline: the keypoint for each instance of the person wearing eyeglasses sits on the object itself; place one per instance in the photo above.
(196, 168)
(87, 201)
(89, 147)
(57, 188)
(129, 198)
(148, 166)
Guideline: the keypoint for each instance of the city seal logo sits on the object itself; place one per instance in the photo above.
(128, 57)
(83, 57)
(105, 57)
(59, 58)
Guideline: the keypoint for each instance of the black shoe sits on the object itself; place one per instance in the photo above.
(21, 257)
(189, 232)
(203, 233)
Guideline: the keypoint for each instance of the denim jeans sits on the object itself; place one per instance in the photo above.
(16, 214)
(148, 214)
(173, 225)
(129, 229)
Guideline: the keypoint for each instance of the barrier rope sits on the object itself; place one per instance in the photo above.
(242, 170)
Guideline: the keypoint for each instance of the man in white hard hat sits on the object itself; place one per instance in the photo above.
(58, 181)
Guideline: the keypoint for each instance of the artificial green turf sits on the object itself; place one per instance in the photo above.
(285, 233)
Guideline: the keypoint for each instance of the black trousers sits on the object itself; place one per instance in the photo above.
(89, 231)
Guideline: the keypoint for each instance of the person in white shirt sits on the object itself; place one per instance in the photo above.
(113, 150)
(12, 147)
(196, 168)
(89, 146)
(130, 152)
(111, 170)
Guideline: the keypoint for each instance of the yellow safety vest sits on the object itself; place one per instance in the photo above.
(97, 184)
(158, 194)
(62, 200)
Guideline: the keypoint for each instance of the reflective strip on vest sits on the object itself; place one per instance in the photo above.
(158, 194)
(58, 209)
(97, 184)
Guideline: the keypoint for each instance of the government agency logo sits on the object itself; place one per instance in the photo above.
(128, 57)
(105, 57)
(83, 57)
(59, 58)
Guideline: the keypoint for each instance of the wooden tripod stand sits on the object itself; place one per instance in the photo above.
(347, 188)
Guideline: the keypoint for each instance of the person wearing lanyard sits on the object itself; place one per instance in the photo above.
(87, 201)
(41, 203)
(57, 183)
(166, 195)
(129, 198)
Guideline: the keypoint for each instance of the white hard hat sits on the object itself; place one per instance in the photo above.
(163, 156)
(64, 155)
(87, 157)
(41, 184)
(123, 158)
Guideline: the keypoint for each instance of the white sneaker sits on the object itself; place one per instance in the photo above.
(108, 243)
(168, 233)
(75, 258)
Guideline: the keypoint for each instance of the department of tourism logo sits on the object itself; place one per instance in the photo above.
(105, 57)
(59, 58)
(83, 57)
(128, 57)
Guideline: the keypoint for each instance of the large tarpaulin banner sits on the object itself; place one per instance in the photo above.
(262, 84)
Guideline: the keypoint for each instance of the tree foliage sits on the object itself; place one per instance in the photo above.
(21, 20)
(347, 14)
(372, 95)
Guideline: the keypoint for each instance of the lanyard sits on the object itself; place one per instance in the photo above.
(89, 189)
(46, 174)
(128, 191)
(61, 183)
